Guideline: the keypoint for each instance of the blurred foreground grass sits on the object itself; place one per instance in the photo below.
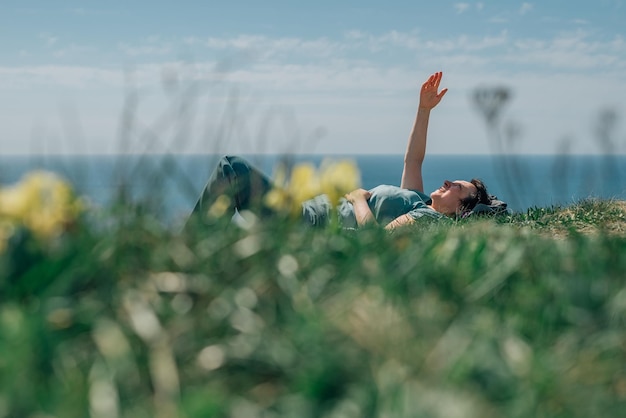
(517, 316)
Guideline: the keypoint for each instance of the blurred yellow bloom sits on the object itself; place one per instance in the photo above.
(338, 178)
(277, 199)
(42, 202)
(219, 207)
(334, 179)
(288, 196)
(280, 175)
(304, 183)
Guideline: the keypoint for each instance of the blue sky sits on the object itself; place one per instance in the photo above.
(321, 77)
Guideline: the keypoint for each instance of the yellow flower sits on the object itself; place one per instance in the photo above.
(219, 207)
(280, 175)
(304, 183)
(334, 179)
(288, 196)
(277, 198)
(15, 201)
(42, 202)
(339, 178)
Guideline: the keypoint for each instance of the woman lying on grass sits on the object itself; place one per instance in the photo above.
(390, 206)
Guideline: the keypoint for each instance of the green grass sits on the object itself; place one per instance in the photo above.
(587, 216)
(515, 316)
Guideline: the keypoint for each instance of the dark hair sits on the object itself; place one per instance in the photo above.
(481, 196)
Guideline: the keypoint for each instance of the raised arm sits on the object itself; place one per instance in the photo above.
(416, 148)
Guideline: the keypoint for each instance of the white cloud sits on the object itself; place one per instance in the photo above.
(570, 52)
(134, 51)
(48, 39)
(266, 47)
(151, 45)
(63, 49)
(566, 51)
(618, 44)
(525, 8)
(355, 34)
(72, 49)
(284, 56)
(53, 76)
(461, 7)
(406, 40)
(498, 20)
(263, 48)
(345, 80)
(414, 42)
(529, 44)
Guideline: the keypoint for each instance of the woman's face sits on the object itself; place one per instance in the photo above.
(447, 198)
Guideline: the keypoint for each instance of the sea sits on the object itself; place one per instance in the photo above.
(172, 183)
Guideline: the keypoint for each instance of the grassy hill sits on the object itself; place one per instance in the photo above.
(515, 316)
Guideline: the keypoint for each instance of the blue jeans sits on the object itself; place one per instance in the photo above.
(246, 187)
(235, 178)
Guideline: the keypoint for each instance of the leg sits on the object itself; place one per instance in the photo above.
(236, 178)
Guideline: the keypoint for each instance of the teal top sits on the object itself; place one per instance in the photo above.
(386, 203)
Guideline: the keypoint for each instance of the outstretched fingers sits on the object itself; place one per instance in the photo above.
(430, 95)
(437, 79)
(434, 80)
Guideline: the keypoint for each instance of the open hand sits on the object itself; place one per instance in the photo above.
(430, 95)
